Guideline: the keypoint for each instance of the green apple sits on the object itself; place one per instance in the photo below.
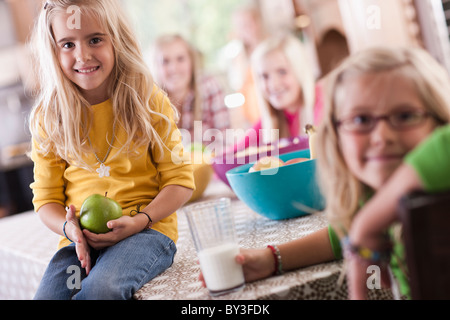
(96, 211)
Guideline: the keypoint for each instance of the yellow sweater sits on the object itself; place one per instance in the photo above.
(133, 180)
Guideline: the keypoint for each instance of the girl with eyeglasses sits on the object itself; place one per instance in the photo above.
(384, 103)
(381, 103)
(426, 168)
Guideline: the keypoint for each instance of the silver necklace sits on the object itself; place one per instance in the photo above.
(103, 171)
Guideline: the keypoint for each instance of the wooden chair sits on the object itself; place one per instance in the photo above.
(426, 230)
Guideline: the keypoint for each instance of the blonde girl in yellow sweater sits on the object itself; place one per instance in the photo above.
(101, 125)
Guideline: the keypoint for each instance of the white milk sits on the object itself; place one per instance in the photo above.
(219, 268)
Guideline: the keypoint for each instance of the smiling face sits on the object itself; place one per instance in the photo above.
(373, 157)
(86, 55)
(174, 66)
(279, 84)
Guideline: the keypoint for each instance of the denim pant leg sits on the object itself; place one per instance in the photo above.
(55, 283)
(124, 268)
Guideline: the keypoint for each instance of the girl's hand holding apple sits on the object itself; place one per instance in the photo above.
(103, 223)
(121, 228)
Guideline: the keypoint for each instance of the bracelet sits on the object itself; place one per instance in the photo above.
(277, 257)
(366, 253)
(137, 211)
(64, 231)
(150, 221)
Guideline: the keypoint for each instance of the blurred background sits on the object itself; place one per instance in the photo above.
(331, 29)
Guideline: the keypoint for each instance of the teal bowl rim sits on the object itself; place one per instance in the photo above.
(243, 169)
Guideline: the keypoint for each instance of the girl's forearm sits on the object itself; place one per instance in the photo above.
(168, 200)
(53, 215)
(309, 250)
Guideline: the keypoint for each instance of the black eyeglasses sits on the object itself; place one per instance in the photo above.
(398, 120)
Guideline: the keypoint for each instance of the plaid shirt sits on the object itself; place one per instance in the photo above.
(214, 112)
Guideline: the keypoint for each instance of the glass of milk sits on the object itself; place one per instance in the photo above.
(213, 232)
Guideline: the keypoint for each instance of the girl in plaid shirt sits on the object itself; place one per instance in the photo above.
(197, 97)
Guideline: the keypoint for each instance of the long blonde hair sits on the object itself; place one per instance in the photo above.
(195, 59)
(297, 56)
(60, 120)
(344, 193)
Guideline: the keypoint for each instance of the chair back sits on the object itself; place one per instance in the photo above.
(426, 230)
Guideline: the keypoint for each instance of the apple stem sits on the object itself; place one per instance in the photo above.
(106, 193)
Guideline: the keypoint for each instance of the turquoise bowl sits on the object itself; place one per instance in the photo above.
(285, 192)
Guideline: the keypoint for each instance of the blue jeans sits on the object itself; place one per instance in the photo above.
(117, 272)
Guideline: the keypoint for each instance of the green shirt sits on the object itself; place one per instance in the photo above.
(431, 160)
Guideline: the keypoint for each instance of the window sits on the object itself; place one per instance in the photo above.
(205, 23)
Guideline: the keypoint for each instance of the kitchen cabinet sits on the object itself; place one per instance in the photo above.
(338, 28)
(16, 169)
(378, 22)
